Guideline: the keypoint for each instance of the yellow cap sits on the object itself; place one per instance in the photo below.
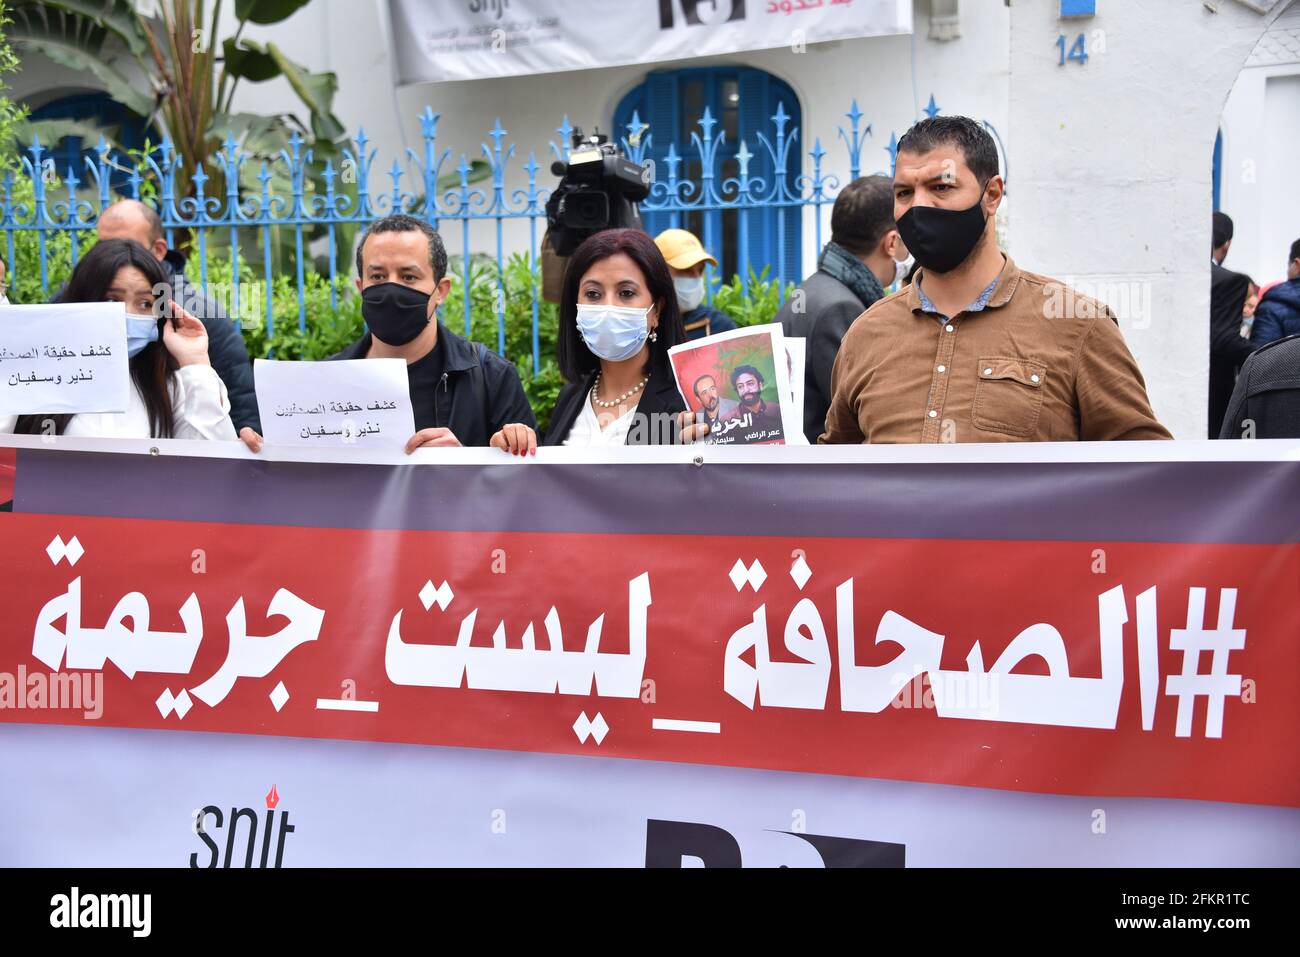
(682, 249)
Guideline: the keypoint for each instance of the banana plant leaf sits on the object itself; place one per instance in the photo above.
(267, 11)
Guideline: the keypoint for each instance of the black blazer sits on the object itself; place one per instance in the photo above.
(480, 391)
(1267, 393)
(660, 397)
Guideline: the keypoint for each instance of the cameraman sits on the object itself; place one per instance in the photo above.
(599, 189)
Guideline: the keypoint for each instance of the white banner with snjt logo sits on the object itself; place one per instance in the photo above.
(121, 797)
(472, 39)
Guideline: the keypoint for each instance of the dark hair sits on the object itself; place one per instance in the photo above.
(739, 371)
(1295, 250)
(696, 387)
(1222, 230)
(971, 138)
(575, 359)
(402, 223)
(152, 367)
(863, 213)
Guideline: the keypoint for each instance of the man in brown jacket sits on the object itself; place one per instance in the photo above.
(974, 349)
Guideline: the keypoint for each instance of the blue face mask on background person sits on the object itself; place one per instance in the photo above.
(690, 291)
(140, 331)
(613, 333)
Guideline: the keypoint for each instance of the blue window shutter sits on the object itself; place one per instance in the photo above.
(774, 234)
(755, 119)
(662, 112)
(770, 236)
(790, 257)
(1217, 170)
(100, 110)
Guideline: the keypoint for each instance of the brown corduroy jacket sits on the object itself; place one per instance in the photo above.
(1038, 363)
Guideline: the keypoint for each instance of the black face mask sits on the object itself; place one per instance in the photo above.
(942, 239)
(395, 313)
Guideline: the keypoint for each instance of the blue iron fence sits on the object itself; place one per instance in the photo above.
(66, 203)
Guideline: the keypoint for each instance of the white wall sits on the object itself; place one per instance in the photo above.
(1110, 161)
(1112, 176)
(968, 75)
(1261, 148)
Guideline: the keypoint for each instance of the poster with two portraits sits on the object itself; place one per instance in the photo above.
(746, 384)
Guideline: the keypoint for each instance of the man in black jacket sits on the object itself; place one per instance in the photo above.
(1266, 402)
(461, 392)
(132, 219)
(1228, 349)
(865, 254)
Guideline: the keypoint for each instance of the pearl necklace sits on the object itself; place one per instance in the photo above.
(595, 393)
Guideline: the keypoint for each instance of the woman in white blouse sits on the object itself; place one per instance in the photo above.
(618, 319)
(176, 393)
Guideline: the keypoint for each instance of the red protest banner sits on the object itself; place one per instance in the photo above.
(782, 652)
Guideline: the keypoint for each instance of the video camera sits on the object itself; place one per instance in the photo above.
(599, 189)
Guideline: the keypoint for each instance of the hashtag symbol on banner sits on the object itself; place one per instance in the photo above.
(58, 550)
(1216, 686)
(595, 728)
(741, 574)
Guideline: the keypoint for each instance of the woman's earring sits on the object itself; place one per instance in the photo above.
(654, 335)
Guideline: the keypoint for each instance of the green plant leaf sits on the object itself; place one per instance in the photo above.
(267, 11)
(316, 90)
(256, 63)
(115, 16)
(249, 60)
(66, 52)
(52, 131)
(478, 170)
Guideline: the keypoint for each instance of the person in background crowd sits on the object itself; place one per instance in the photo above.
(975, 349)
(4, 285)
(1248, 310)
(865, 255)
(716, 408)
(134, 220)
(1228, 292)
(618, 319)
(1266, 401)
(686, 258)
(176, 393)
(1278, 312)
(461, 392)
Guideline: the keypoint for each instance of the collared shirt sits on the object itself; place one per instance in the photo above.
(1036, 361)
(981, 301)
(602, 430)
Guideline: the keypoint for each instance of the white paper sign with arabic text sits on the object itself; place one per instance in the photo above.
(63, 358)
(362, 403)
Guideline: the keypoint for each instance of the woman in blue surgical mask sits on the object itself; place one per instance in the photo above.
(618, 319)
(176, 393)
